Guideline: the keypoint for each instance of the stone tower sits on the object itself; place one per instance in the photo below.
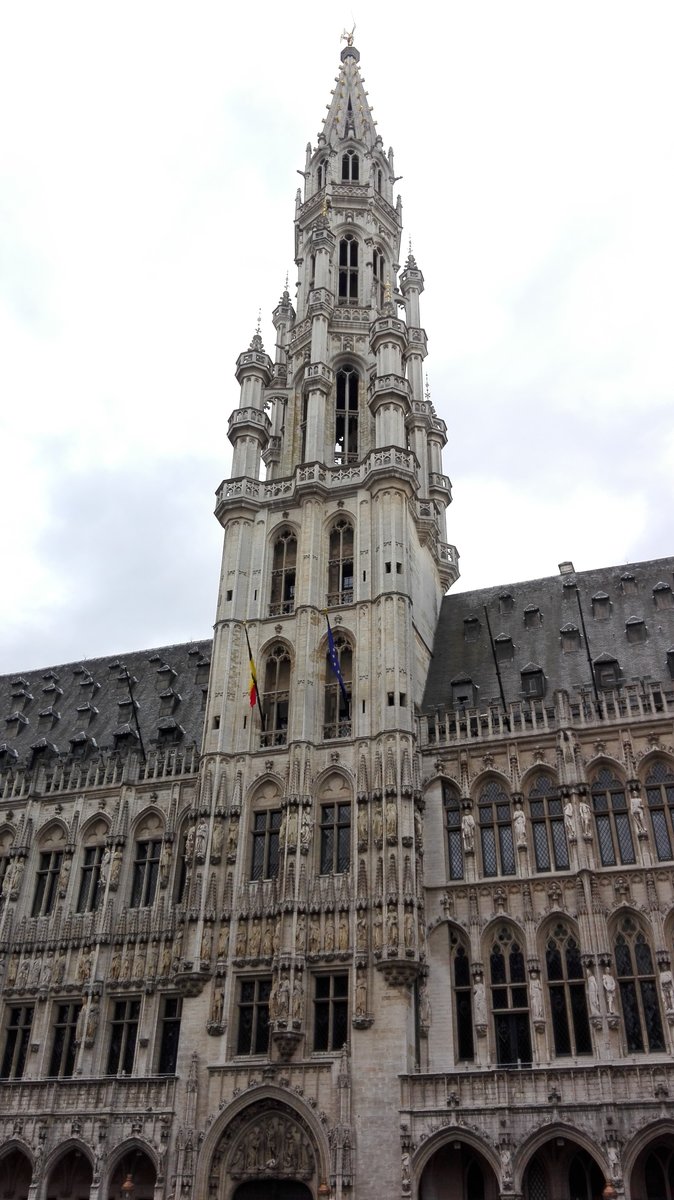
(345, 539)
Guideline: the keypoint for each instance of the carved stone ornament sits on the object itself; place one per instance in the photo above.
(267, 1141)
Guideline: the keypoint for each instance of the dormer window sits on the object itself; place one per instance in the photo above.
(607, 671)
(532, 681)
(505, 603)
(532, 617)
(463, 692)
(471, 629)
(635, 628)
(503, 648)
(348, 270)
(662, 596)
(350, 167)
(570, 638)
(628, 584)
(670, 661)
(601, 606)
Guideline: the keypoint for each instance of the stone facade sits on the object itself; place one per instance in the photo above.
(401, 927)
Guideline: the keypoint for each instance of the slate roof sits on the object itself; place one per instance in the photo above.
(66, 704)
(533, 618)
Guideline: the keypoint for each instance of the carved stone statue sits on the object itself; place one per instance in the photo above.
(92, 1023)
(520, 824)
(506, 1157)
(241, 939)
(480, 1003)
(59, 967)
(609, 990)
(206, 944)
(377, 929)
(190, 841)
(392, 926)
(223, 940)
(468, 832)
(115, 867)
(585, 819)
(200, 841)
(569, 821)
(85, 965)
(593, 995)
(297, 999)
(105, 866)
(329, 934)
(217, 841)
(314, 935)
(267, 940)
(291, 828)
(218, 1006)
(306, 829)
(362, 827)
(637, 810)
(46, 973)
(667, 989)
(343, 932)
(81, 1023)
(283, 997)
(406, 1170)
(361, 932)
(613, 1156)
(536, 992)
(408, 930)
(391, 821)
(361, 994)
(255, 939)
(232, 838)
(300, 933)
(377, 824)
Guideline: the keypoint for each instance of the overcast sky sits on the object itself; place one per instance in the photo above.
(148, 158)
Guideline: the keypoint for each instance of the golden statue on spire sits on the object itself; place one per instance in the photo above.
(348, 37)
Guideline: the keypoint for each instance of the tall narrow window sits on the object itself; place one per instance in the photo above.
(638, 989)
(276, 696)
(611, 819)
(660, 796)
(510, 1000)
(337, 720)
(585, 1179)
(496, 831)
(452, 807)
(322, 174)
(303, 428)
(169, 1035)
(340, 564)
(253, 1031)
(463, 999)
(17, 1035)
(378, 278)
(348, 270)
(346, 416)
(350, 167)
(62, 1062)
(46, 883)
(145, 873)
(123, 1034)
(88, 896)
(335, 838)
(331, 1018)
(547, 825)
(566, 988)
(284, 567)
(265, 857)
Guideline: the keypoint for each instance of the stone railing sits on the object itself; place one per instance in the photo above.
(390, 458)
(105, 1094)
(107, 771)
(597, 1083)
(633, 702)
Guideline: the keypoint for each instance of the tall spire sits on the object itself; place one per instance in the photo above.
(349, 113)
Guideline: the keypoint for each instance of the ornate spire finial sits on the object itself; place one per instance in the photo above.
(256, 343)
(258, 328)
(348, 37)
(427, 393)
(387, 290)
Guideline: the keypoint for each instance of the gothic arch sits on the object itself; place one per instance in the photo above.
(530, 774)
(239, 1117)
(325, 775)
(491, 775)
(499, 921)
(267, 647)
(266, 790)
(122, 1150)
(54, 832)
(442, 1137)
(547, 923)
(17, 1144)
(595, 764)
(90, 829)
(663, 1127)
(150, 823)
(546, 1133)
(62, 1150)
(650, 757)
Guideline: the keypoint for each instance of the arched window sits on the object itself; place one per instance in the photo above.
(496, 831)
(638, 991)
(340, 564)
(337, 717)
(379, 179)
(547, 824)
(509, 1000)
(452, 807)
(463, 999)
(284, 567)
(348, 270)
(322, 173)
(613, 824)
(660, 796)
(566, 989)
(350, 167)
(90, 892)
(346, 415)
(378, 278)
(276, 696)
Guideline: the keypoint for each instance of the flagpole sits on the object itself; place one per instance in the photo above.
(253, 673)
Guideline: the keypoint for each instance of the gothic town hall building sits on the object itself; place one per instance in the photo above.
(403, 928)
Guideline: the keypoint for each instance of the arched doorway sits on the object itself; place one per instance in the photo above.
(272, 1189)
(653, 1173)
(70, 1176)
(459, 1171)
(562, 1170)
(137, 1168)
(16, 1174)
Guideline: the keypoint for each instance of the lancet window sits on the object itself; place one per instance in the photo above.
(638, 990)
(275, 700)
(496, 831)
(378, 278)
(346, 415)
(463, 999)
(566, 991)
(452, 807)
(348, 270)
(284, 567)
(660, 797)
(510, 999)
(547, 825)
(337, 704)
(611, 819)
(340, 564)
(350, 167)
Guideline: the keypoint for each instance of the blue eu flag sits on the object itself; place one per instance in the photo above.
(334, 662)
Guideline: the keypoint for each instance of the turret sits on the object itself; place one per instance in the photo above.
(249, 426)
